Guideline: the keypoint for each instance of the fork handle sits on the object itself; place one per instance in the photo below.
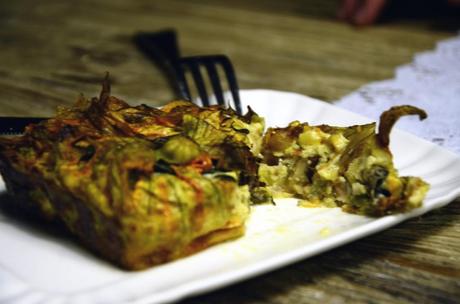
(162, 48)
(16, 125)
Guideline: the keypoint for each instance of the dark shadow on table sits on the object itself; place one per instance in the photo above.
(438, 14)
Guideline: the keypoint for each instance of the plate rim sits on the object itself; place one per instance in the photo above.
(215, 281)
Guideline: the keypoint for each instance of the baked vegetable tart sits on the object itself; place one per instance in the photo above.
(139, 186)
(349, 167)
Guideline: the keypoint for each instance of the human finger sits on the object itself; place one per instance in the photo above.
(348, 9)
(369, 12)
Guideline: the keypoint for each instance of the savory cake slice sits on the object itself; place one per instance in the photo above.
(349, 167)
(136, 185)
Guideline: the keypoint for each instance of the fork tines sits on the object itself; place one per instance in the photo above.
(210, 63)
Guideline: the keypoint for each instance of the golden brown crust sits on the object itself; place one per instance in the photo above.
(137, 185)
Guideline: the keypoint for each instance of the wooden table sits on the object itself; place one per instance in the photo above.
(52, 50)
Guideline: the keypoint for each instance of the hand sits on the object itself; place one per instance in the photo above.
(361, 12)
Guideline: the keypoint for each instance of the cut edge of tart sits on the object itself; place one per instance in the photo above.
(348, 167)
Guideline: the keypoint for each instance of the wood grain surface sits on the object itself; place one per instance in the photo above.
(53, 50)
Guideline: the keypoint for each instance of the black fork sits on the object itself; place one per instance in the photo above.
(162, 48)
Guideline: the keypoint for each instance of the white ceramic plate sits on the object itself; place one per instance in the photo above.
(36, 267)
